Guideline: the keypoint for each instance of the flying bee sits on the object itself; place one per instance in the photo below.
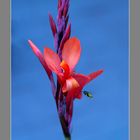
(88, 94)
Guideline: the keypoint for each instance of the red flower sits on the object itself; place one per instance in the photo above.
(71, 82)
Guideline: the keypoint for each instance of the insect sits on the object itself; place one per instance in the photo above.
(88, 94)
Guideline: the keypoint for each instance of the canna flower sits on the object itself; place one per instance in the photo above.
(71, 83)
(64, 68)
(68, 50)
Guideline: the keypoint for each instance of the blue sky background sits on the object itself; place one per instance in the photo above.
(102, 27)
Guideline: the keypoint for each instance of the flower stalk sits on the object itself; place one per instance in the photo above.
(62, 62)
(61, 34)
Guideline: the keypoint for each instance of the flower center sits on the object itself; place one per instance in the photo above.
(65, 69)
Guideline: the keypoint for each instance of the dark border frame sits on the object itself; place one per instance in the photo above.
(134, 70)
(5, 69)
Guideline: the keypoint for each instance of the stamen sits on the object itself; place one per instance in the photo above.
(63, 71)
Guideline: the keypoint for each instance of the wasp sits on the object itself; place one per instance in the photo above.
(88, 94)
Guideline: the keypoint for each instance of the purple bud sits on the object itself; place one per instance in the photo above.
(53, 25)
(65, 9)
(66, 20)
(65, 37)
(59, 3)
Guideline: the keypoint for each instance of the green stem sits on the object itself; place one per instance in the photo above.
(67, 138)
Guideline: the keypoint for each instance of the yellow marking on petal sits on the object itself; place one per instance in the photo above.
(65, 68)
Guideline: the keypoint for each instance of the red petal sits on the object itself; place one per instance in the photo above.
(95, 74)
(70, 84)
(52, 60)
(40, 56)
(76, 93)
(71, 52)
(79, 95)
(61, 78)
(82, 80)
